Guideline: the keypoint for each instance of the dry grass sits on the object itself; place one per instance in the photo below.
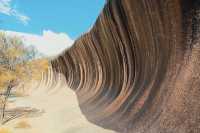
(4, 130)
(23, 124)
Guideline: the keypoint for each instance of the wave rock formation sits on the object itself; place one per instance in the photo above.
(138, 69)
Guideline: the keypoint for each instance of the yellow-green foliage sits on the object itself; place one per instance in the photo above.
(16, 64)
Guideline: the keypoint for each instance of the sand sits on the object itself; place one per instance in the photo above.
(61, 113)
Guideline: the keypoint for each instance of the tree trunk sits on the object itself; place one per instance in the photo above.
(7, 94)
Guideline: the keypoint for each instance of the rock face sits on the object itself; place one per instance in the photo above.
(138, 69)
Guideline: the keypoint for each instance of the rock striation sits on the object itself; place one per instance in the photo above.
(138, 69)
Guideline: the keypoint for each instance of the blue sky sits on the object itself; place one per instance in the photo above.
(72, 17)
(49, 25)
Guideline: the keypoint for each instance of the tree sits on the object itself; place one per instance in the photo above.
(19, 64)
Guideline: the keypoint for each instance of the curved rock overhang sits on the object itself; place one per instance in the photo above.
(137, 70)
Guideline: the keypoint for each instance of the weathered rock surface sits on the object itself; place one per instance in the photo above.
(138, 69)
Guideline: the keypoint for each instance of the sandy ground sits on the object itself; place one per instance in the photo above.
(62, 114)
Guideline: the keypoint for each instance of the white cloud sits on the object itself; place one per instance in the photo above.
(23, 18)
(7, 9)
(49, 43)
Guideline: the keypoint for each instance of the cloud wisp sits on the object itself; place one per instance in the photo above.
(7, 9)
(49, 43)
